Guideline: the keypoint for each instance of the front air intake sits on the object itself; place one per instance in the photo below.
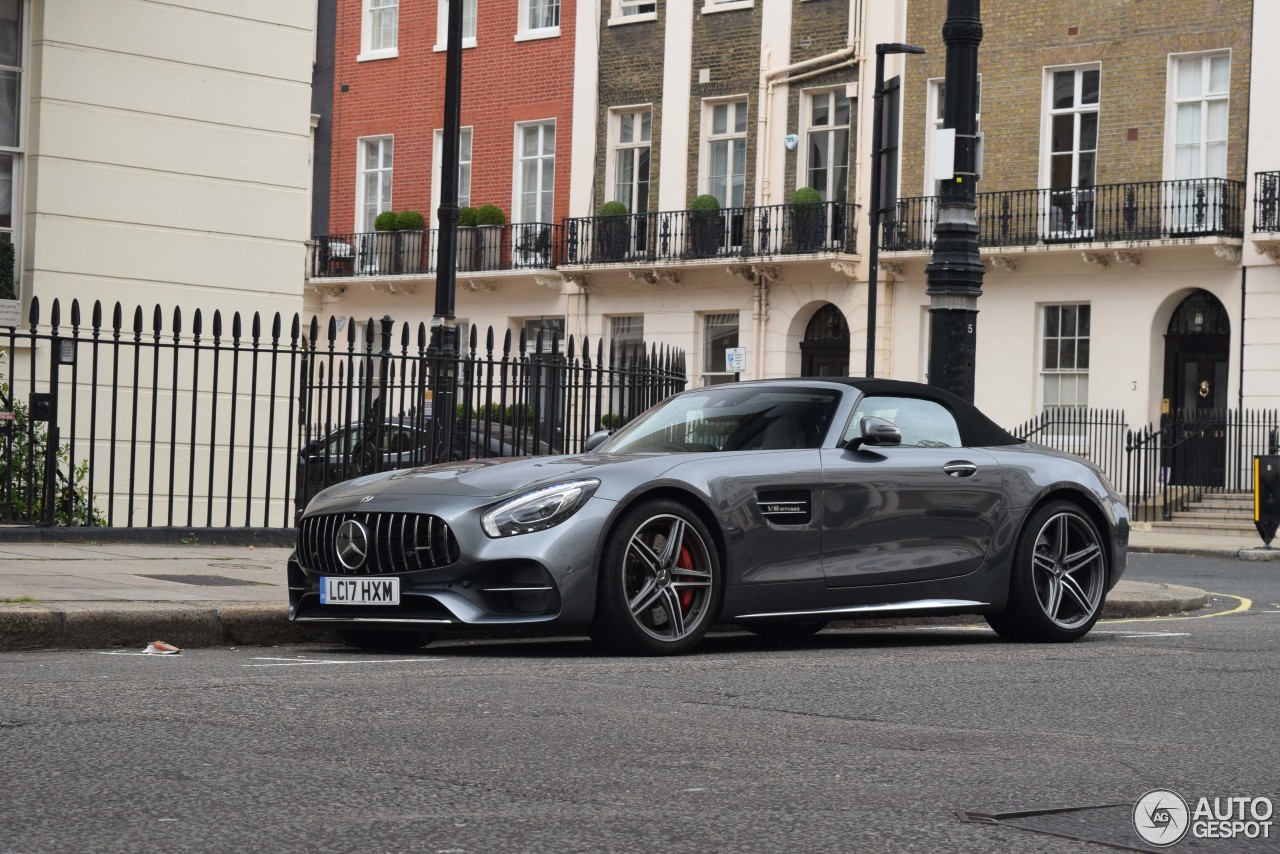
(375, 543)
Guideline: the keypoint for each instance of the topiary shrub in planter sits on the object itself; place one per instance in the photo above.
(612, 232)
(386, 221)
(411, 227)
(489, 221)
(807, 231)
(706, 227)
(378, 252)
(466, 252)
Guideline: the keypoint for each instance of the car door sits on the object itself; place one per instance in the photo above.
(921, 510)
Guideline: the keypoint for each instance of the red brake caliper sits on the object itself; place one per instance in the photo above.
(685, 562)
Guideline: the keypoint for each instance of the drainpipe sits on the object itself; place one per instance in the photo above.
(760, 317)
(769, 79)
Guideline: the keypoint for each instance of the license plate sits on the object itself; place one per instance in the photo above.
(359, 591)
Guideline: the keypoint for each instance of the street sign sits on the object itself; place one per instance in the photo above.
(10, 312)
(735, 359)
(1266, 496)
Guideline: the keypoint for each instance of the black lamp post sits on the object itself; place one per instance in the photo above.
(443, 348)
(877, 192)
(954, 274)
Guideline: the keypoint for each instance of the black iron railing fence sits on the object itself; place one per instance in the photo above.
(1144, 210)
(151, 419)
(515, 246)
(659, 236)
(1266, 201)
(1163, 467)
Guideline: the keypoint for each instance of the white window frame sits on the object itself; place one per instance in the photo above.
(1173, 102)
(1043, 372)
(632, 11)
(368, 13)
(805, 126)
(517, 171)
(361, 144)
(710, 7)
(442, 24)
(17, 205)
(709, 137)
(464, 169)
(1047, 112)
(613, 136)
(611, 325)
(1070, 228)
(933, 120)
(718, 377)
(524, 32)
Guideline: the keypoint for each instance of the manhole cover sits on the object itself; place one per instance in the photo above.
(208, 580)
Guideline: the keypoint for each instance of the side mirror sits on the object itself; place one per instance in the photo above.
(876, 432)
(595, 440)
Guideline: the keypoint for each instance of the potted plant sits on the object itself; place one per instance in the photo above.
(378, 252)
(466, 250)
(706, 226)
(490, 222)
(612, 232)
(410, 232)
(807, 232)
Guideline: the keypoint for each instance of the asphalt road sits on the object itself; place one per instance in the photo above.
(856, 740)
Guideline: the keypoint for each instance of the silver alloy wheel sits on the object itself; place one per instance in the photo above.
(1068, 570)
(666, 577)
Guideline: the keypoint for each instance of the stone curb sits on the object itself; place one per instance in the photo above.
(130, 625)
(1255, 553)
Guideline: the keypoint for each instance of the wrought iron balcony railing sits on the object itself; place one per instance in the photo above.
(1146, 210)
(517, 246)
(726, 233)
(1266, 201)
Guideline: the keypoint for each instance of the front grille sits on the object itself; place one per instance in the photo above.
(397, 542)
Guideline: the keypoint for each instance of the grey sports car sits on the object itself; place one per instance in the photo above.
(778, 505)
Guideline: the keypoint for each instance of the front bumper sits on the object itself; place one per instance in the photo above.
(547, 577)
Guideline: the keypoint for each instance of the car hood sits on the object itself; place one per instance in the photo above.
(491, 478)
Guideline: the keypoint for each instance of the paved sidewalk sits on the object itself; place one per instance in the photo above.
(85, 595)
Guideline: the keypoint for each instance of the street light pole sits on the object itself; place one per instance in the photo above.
(877, 193)
(443, 348)
(954, 275)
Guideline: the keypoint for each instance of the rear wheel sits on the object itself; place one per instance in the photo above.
(390, 641)
(659, 582)
(1059, 578)
(796, 629)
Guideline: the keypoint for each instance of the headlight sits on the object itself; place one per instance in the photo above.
(538, 510)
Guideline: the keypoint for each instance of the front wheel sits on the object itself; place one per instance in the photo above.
(659, 582)
(1059, 578)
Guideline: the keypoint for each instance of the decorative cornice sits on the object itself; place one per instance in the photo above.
(655, 276)
(742, 271)
(848, 269)
(395, 288)
(582, 280)
(1130, 257)
(1269, 248)
(478, 285)
(555, 283)
(1228, 252)
(893, 268)
(769, 271)
(1099, 259)
(1004, 262)
(330, 291)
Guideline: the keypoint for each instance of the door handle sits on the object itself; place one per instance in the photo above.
(960, 468)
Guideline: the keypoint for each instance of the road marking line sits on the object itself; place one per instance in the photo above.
(1245, 605)
(280, 662)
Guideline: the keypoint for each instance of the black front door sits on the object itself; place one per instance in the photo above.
(824, 352)
(1196, 359)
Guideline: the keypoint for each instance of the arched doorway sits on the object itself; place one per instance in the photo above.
(1197, 350)
(824, 352)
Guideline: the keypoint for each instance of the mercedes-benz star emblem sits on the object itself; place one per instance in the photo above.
(352, 543)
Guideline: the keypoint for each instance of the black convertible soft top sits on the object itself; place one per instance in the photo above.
(976, 429)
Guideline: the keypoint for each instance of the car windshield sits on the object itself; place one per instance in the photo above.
(728, 418)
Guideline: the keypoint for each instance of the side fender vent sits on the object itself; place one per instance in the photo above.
(785, 506)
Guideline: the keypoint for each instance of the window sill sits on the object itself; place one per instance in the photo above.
(535, 35)
(466, 43)
(372, 55)
(710, 8)
(632, 19)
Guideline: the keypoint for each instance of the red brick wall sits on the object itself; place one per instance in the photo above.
(504, 82)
